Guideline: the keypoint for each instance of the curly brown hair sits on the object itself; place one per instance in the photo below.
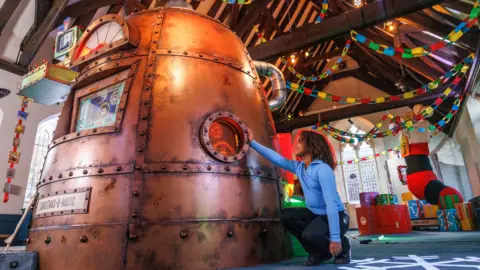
(318, 146)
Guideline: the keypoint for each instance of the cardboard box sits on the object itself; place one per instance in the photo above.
(448, 221)
(464, 210)
(368, 198)
(366, 220)
(448, 201)
(393, 219)
(407, 196)
(430, 211)
(467, 224)
(415, 209)
(387, 199)
(476, 218)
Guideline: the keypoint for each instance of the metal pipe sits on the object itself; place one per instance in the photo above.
(279, 88)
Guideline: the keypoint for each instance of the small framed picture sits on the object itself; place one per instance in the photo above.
(402, 174)
(22, 115)
(16, 142)
(10, 173)
(25, 102)
(20, 129)
(14, 157)
(7, 187)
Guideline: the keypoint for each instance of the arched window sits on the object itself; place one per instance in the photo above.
(42, 140)
(361, 176)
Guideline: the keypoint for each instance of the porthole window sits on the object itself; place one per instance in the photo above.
(224, 136)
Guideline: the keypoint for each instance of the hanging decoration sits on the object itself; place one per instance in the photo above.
(383, 153)
(323, 12)
(324, 75)
(238, 2)
(14, 156)
(355, 138)
(300, 76)
(456, 72)
(455, 35)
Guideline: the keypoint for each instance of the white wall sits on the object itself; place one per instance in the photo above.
(10, 105)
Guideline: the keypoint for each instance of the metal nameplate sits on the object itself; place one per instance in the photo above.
(64, 202)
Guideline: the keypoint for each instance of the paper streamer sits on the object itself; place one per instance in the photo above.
(14, 156)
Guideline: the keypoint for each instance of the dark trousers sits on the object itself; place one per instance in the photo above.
(312, 230)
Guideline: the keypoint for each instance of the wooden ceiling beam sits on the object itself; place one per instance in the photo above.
(458, 6)
(443, 52)
(13, 68)
(252, 12)
(324, 56)
(6, 12)
(354, 110)
(424, 23)
(311, 34)
(83, 7)
(32, 47)
(41, 10)
(234, 17)
(130, 6)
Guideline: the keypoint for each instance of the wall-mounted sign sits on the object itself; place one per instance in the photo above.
(63, 202)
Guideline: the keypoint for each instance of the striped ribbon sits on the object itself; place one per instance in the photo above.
(455, 35)
(456, 72)
(24, 105)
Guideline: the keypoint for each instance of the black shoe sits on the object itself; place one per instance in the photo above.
(346, 254)
(314, 260)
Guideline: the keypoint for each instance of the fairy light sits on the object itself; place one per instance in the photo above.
(293, 58)
(357, 3)
(307, 54)
(390, 25)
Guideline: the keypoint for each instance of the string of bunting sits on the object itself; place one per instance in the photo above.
(454, 35)
(324, 75)
(456, 72)
(393, 131)
(14, 156)
(238, 2)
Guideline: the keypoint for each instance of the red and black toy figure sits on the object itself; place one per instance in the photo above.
(421, 179)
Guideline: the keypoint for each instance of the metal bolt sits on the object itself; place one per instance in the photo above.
(184, 235)
(48, 240)
(84, 239)
(169, 51)
(70, 174)
(94, 130)
(227, 169)
(140, 150)
(50, 178)
(201, 55)
(185, 167)
(116, 129)
(144, 117)
(146, 103)
(225, 158)
(230, 234)
(164, 167)
(78, 133)
(258, 172)
(119, 168)
(142, 133)
(43, 180)
(60, 176)
(85, 171)
(132, 236)
(245, 171)
(243, 151)
(100, 170)
(138, 167)
(147, 88)
(207, 143)
(64, 138)
(235, 158)
(209, 167)
(215, 153)
(135, 193)
(186, 53)
(135, 215)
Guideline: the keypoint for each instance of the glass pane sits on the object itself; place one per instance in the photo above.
(100, 109)
(224, 138)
